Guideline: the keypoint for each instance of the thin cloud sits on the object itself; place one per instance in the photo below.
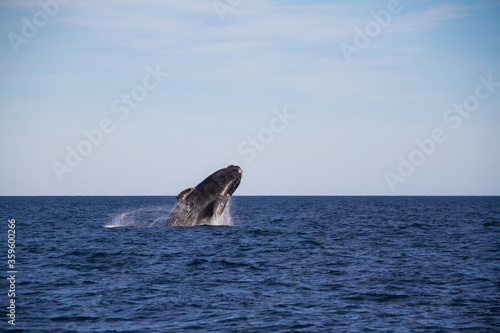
(429, 18)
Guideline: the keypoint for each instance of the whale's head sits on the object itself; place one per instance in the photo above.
(208, 199)
(221, 183)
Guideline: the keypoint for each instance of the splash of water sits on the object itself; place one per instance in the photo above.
(142, 217)
(157, 216)
(225, 217)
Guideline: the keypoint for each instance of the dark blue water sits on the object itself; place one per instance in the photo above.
(289, 264)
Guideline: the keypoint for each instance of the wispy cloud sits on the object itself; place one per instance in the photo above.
(429, 18)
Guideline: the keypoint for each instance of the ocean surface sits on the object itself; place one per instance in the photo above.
(274, 264)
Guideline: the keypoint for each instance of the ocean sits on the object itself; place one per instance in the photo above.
(274, 264)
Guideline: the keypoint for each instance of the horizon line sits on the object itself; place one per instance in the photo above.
(264, 195)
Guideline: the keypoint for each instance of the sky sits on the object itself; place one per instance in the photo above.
(307, 97)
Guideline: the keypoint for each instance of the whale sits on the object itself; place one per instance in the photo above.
(203, 204)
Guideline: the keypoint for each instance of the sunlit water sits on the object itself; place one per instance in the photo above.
(275, 264)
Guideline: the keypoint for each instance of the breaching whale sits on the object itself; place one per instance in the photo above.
(207, 201)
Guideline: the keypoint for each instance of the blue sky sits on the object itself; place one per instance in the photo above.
(264, 84)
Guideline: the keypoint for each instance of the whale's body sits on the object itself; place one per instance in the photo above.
(207, 201)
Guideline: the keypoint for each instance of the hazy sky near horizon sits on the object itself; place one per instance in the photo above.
(308, 97)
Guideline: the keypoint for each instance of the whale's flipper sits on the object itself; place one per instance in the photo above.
(220, 204)
(215, 208)
(181, 196)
